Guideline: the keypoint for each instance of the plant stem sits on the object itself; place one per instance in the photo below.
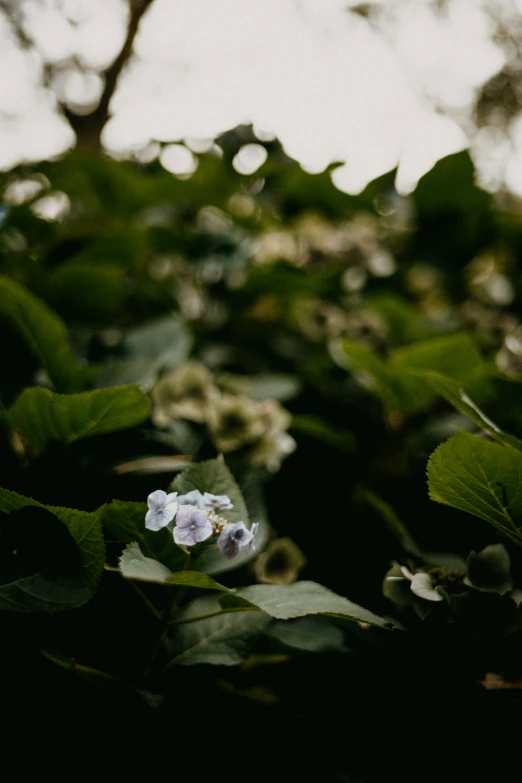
(146, 601)
(174, 609)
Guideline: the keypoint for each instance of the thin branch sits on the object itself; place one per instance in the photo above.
(14, 17)
(88, 127)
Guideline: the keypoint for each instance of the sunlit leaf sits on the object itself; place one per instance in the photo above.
(43, 416)
(480, 477)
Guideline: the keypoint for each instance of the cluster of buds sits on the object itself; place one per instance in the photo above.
(235, 422)
(194, 518)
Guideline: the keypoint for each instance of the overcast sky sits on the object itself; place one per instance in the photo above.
(325, 81)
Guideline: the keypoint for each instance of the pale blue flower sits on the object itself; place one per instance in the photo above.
(192, 526)
(216, 502)
(194, 498)
(162, 509)
(252, 542)
(233, 538)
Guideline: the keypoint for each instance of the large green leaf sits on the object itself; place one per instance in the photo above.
(43, 416)
(400, 381)
(44, 333)
(224, 639)
(50, 588)
(124, 521)
(304, 598)
(454, 356)
(134, 565)
(308, 634)
(480, 477)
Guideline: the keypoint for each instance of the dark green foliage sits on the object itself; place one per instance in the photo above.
(374, 321)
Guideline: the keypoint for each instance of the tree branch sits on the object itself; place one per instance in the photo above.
(88, 127)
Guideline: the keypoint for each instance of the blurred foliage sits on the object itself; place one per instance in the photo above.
(327, 344)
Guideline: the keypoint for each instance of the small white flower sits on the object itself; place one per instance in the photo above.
(194, 498)
(216, 502)
(192, 526)
(233, 538)
(422, 586)
(162, 509)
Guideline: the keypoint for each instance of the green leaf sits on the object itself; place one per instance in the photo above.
(44, 333)
(52, 589)
(125, 521)
(147, 349)
(305, 598)
(400, 381)
(134, 565)
(83, 291)
(215, 477)
(224, 639)
(43, 416)
(405, 322)
(489, 570)
(375, 373)
(195, 579)
(455, 394)
(166, 337)
(480, 477)
(453, 356)
(308, 634)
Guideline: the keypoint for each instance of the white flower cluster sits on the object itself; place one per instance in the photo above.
(235, 422)
(196, 520)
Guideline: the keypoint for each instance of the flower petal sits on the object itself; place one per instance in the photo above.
(156, 500)
(216, 502)
(184, 515)
(228, 546)
(171, 506)
(202, 532)
(193, 498)
(193, 526)
(421, 586)
(184, 536)
(155, 520)
(233, 538)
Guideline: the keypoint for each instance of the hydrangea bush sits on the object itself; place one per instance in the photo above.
(220, 399)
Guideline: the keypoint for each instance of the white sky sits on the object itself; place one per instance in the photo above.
(328, 84)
